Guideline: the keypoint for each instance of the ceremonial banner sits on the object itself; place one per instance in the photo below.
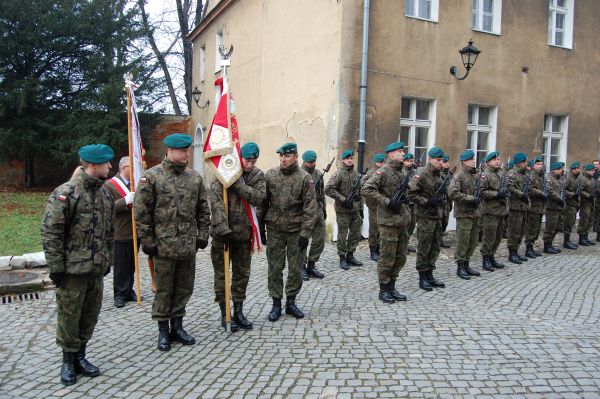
(136, 158)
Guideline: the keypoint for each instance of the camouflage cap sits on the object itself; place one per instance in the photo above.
(96, 153)
(288, 148)
(178, 140)
(250, 150)
(309, 156)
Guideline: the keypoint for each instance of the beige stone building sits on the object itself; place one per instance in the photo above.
(295, 74)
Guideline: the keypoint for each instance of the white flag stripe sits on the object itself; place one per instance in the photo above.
(136, 147)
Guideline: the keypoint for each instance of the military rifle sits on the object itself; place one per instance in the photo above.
(353, 194)
(325, 170)
(527, 187)
(420, 160)
(400, 194)
(477, 193)
(442, 189)
(545, 189)
(562, 192)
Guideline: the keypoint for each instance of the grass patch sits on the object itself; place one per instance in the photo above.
(20, 220)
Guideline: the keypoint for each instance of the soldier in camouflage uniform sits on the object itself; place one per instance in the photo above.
(410, 165)
(586, 203)
(422, 191)
(447, 202)
(317, 245)
(493, 206)
(172, 218)
(554, 207)
(348, 213)
(393, 217)
(537, 207)
(572, 200)
(78, 240)
(290, 210)
(234, 230)
(519, 205)
(378, 161)
(465, 190)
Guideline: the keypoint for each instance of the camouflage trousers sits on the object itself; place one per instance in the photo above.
(348, 232)
(282, 245)
(445, 220)
(393, 243)
(174, 286)
(373, 227)
(516, 228)
(553, 221)
(413, 220)
(240, 255)
(429, 239)
(585, 220)
(78, 303)
(467, 232)
(317, 241)
(597, 214)
(569, 218)
(534, 227)
(493, 226)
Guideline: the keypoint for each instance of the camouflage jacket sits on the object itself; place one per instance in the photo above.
(339, 186)
(290, 204)
(462, 190)
(570, 189)
(78, 227)
(536, 192)
(424, 185)
(171, 210)
(555, 183)
(380, 188)
(251, 187)
(317, 176)
(447, 208)
(517, 178)
(490, 185)
(370, 203)
(586, 199)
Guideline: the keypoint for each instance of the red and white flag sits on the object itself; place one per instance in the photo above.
(136, 158)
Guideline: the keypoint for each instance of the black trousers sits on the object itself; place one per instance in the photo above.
(124, 270)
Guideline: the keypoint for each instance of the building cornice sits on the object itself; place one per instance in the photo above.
(213, 16)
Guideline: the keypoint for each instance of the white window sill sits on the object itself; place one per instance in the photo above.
(486, 31)
(565, 47)
(422, 19)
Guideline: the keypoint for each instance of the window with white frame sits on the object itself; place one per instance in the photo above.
(218, 44)
(487, 15)
(481, 130)
(555, 139)
(417, 125)
(424, 9)
(202, 63)
(560, 23)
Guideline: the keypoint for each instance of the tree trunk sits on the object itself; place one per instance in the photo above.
(29, 163)
(188, 55)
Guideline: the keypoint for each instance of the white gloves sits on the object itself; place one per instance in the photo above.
(129, 198)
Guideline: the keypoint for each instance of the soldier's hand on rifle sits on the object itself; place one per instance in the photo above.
(57, 278)
(524, 197)
(348, 204)
(150, 250)
(433, 201)
(576, 196)
(476, 201)
(394, 206)
(501, 195)
(302, 242)
(201, 244)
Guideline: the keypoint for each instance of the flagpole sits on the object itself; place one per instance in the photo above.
(132, 185)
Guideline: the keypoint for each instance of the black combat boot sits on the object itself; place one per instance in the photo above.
(352, 261)
(470, 271)
(443, 244)
(384, 294)
(495, 264)
(461, 272)
(234, 327)
(178, 334)
(312, 270)
(275, 312)
(423, 281)
(164, 344)
(82, 366)
(304, 272)
(292, 309)
(344, 263)
(374, 254)
(521, 258)
(590, 242)
(549, 249)
(529, 251)
(487, 264)
(394, 292)
(536, 253)
(67, 370)
(238, 316)
(567, 242)
(433, 281)
(582, 241)
(513, 257)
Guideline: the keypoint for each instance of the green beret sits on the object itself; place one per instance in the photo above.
(575, 165)
(394, 146)
(178, 140)
(309, 156)
(492, 155)
(96, 153)
(530, 163)
(588, 166)
(379, 157)
(409, 156)
(520, 157)
(435, 152)
(347, 154)
(250, 150)
(557, 165)
(537, 159)
(446, 158)
(511, 164)
(468, 154)
(288, 148)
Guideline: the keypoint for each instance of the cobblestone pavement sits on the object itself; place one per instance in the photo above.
(528, 331)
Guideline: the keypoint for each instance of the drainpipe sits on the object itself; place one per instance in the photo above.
(363, 86)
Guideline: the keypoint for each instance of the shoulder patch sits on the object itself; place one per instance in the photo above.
(455, 177)
(378, 172)
(61, 198)
(142, 180)
(417, 177)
